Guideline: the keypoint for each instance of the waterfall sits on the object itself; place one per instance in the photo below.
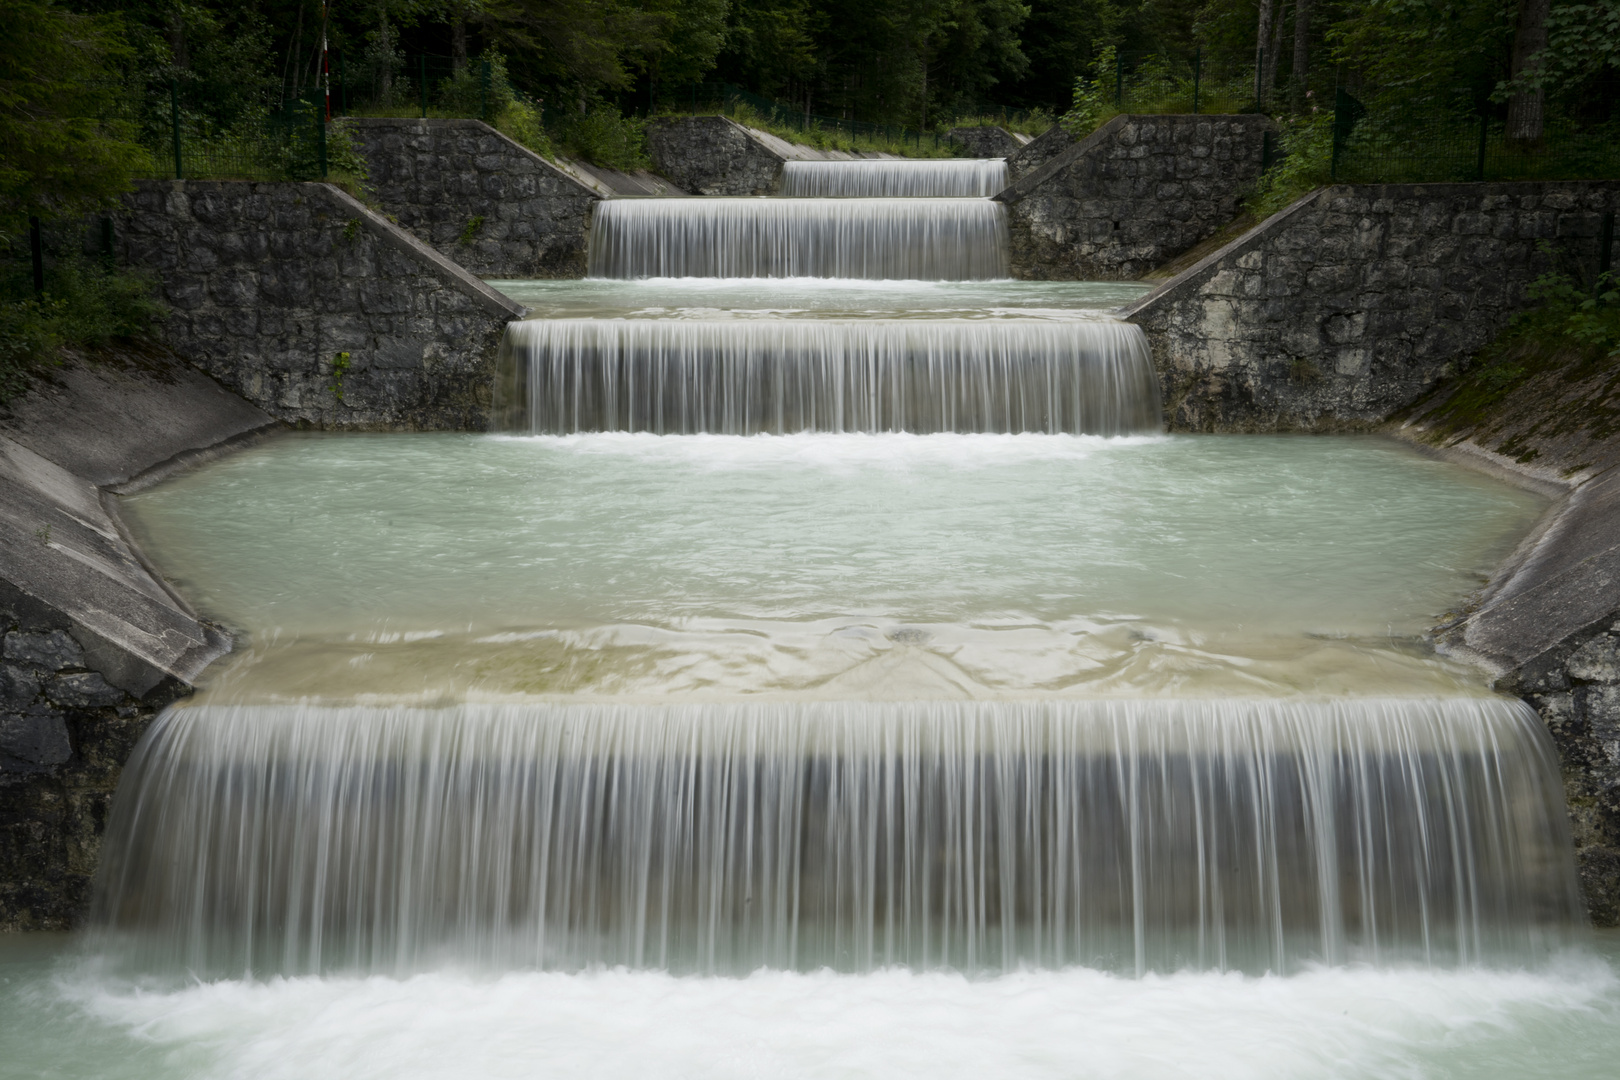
(1146, 835)
(956, 178)
(746, 377)
(902, 239)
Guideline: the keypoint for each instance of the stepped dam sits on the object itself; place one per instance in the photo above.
(828, 666)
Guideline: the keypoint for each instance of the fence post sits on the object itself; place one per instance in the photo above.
(1340, 111)
(1265, 151)
(1119, 80)
(422, 66)
(36, 248)
(107, 242)
(483, 90)
(1198, 72)
(343, 89)
(1605, 243)
(320, 139)
(174, 119)
(1479, 165)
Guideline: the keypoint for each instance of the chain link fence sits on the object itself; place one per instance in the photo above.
(1372, 146)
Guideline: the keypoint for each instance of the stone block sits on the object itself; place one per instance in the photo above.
(19, 686)
(1598, 660)
(83, 690)
(33, 740)
(52, 650)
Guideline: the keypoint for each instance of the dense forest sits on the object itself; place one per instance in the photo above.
(913, 62)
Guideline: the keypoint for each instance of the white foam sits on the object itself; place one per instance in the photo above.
(1029, 1026)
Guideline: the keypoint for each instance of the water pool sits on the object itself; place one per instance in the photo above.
(850, 567)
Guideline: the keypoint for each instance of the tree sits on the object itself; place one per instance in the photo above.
(65, 148)
(1526, 108)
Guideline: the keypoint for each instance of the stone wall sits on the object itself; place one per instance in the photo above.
(1038, 151)
(92, 644)
(1353, 302)
(985, 142)
(1133, 194)
(492, 205)
(315, 308)
(712, 155)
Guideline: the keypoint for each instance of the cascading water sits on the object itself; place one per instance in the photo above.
(1132, 835)
(744, 377)
(956, 178)
(905, 239)
(804, 813)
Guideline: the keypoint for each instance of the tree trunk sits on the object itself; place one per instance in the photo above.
(1299, 80)
(177, 42)
(458, 39)
(1527, 108)
(1262, 55)
(385, 56)
(1273, 54)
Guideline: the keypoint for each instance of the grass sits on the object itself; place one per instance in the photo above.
(86, 306)
(825, 138)
(1553, 374)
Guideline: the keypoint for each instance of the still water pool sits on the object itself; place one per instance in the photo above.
(831, 566)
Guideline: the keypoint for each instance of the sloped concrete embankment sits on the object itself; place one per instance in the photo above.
(92, 642)
(1130, 196)
(477, 197)
(1548, 628)
(1357, 300)
(315, 308)
(715, 155)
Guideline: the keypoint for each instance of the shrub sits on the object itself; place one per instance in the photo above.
(602, 137)
(86, 305)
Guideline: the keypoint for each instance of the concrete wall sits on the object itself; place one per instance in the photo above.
(492, 205)
(1133, 194)
(1355, 301)
(1548, 629)
(92, 643)
(269, 283)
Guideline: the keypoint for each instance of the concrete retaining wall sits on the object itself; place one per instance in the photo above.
(464, 189)
(1355, 301)
(1133, 194)
(92, 643)
(270, 284)
(986, 142)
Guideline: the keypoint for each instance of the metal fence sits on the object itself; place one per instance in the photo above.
(289, 143)
(725, 97)
(1375, 147)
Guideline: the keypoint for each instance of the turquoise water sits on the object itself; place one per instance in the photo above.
(835, 566)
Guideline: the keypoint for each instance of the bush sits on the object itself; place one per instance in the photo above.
(520, 122)
(1093, 96)
(1306, 145)
(86, 305)
(465, 92)
(603, 137)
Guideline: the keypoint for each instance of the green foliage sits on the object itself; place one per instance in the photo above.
(470, 92)
(1571, 321)
(1589, 317)
(1306, 148)
(1033, 122)
(1093, 96)
(603, 137)
(86, 305)
(65, 149)
(520, 122)
(340, 369)
(469, 231)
